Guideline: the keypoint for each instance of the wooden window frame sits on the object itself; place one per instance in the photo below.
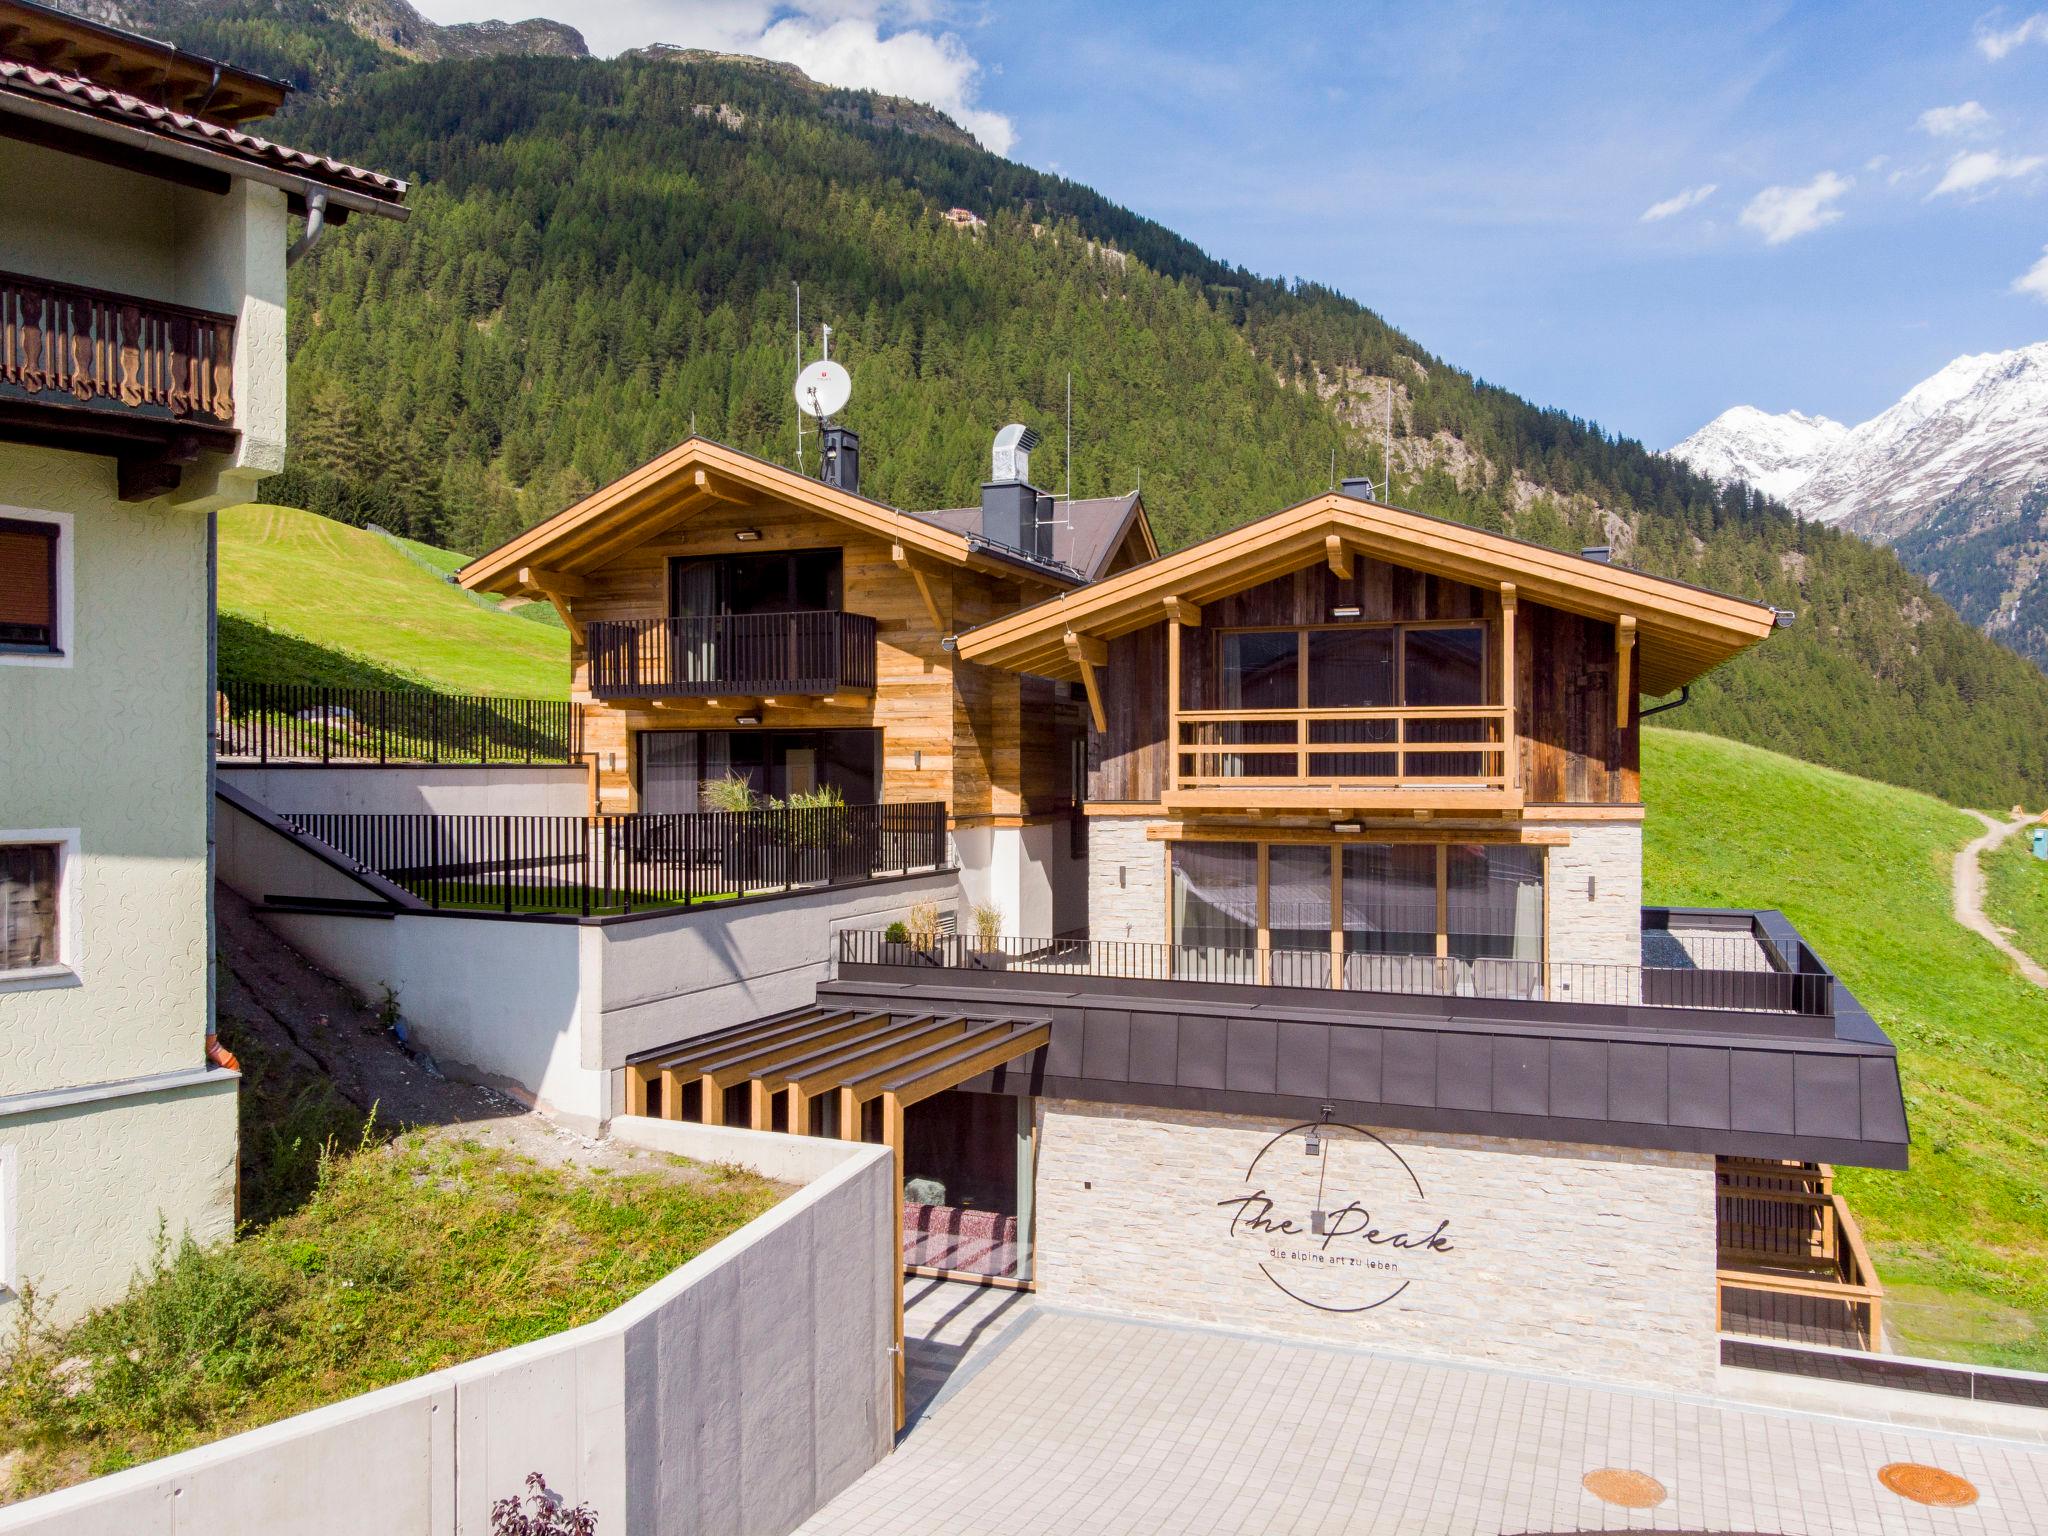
(1262, 857)
(55, 531)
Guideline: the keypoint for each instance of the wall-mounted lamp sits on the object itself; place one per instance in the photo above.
(1345, 613)
(917, 757)
(1346, 826)
(746, 720)
(748, 535)
(1592, 887)
(1120, 881)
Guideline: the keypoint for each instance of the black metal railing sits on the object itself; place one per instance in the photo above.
(305, 723)
(1749, 991)
(603, 865)
(817, 652)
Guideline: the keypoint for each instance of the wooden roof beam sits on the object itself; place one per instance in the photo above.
(1339, 555)
(1089, 652)
(1624, 647)
(1182, 612)
(900, 558)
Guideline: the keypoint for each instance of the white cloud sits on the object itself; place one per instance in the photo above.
(1691, 197)
(1981, 167)
(1785, 213)
(1994, 44)
(1965, 120)
(899, 47)
(2034, 280)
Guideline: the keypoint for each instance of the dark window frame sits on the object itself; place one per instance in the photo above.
(725, 562)
(52, 534)
(1400, 628)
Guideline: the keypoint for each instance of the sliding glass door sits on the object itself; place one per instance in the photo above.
(1452, 918)
(675, 766)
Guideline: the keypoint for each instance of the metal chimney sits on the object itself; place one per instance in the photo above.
(1358, 487)
(1604, 553)
(841, 458)
(1009, 502)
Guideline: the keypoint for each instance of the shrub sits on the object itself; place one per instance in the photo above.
(923, 924)
(540, 1513)
(896, 933)
(988, 925)
(731, 793)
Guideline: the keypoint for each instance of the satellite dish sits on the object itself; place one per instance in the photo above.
(823, 388)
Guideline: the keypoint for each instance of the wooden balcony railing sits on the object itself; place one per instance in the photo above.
(1466, 746)
(109, 351)
(743, 655)
(1792, 1262)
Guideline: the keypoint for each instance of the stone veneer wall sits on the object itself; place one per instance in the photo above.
(1131, 904)
(1564, 1259)
(1608, 928)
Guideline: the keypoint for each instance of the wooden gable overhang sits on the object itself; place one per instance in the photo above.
(1676, 632)
(553, 558)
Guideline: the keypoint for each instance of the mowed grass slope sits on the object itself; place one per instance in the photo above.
(2016, 893)
(289, 579)
(1862, 869)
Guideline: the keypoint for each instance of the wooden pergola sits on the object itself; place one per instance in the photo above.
(843, 1072)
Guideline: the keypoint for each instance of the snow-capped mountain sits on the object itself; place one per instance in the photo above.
(1955, 475)
(1980, 426)
(1775, 454)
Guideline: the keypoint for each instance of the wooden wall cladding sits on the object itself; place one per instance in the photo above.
(951, 731)
(1571, 750)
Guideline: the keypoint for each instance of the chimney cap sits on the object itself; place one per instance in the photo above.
(1010, 455)
(1357, 487)
(1603, 553)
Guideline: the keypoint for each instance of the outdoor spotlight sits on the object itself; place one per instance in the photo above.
(1312, 1146)
(1346, 826)
(1592, 887)
(917, 757)
(746, 720)
(748, 535)
(1344, 613)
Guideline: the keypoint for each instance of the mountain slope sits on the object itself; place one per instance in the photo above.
(1955, 475)
(344, 607)
(1862, 870)
(601, 257)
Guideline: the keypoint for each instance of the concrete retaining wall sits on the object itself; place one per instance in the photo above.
(736, 1396)
(506, 789)
(551, 1010)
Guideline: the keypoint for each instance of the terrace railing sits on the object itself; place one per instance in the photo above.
(1720, 984)
(810, 653)
(612, 865)
(1380, 749)
(110, 351)
(304, 723)
(1791, 1259)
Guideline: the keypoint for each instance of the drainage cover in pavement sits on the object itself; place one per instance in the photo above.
(1927, 1485)
(1629, 1489)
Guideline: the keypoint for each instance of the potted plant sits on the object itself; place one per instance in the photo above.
(922, 929)
(738, 840)
(988, 939)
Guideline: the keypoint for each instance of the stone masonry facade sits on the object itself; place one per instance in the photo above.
(1537, 1255)
(1126, 880)
(1605, 928)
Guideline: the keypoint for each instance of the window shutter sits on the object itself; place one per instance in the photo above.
(28, 596)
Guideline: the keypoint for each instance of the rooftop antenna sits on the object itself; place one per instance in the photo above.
(1387, 469)
(1333, 469)
(1069, 459)
(799, 288)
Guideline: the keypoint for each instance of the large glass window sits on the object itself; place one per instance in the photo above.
(786, 581)
(1389, 898)
(967, 1184)
(1493, 899)
(675, 766)
(1262, 669)
(1443, 666)
(1351, 668)
(1216, 895)
(1298, 913)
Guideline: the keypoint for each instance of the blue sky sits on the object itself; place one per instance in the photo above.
(1852, 194)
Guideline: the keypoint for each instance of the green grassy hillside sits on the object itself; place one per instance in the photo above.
(2016, 894)
(1862, 869)
(306, 599)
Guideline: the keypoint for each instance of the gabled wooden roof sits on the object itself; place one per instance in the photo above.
(1682, 631)
(698, 473)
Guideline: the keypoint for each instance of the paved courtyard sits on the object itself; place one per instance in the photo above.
(1038, 1420)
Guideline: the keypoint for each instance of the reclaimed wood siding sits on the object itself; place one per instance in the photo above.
(1571, 751)
(913, 700)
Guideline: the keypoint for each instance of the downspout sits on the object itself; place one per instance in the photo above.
(216, 1053)
(1684, 698)
(316, 224)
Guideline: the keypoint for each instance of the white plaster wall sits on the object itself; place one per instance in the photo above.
(737, 1395)
(93, 1180)
(1568, 1259)
(1607, 927)
(1027, 874)
(115, 744)
(1126, 880)
(76, 221)
(507, 790)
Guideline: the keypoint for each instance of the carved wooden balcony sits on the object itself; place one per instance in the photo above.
(148, 382)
